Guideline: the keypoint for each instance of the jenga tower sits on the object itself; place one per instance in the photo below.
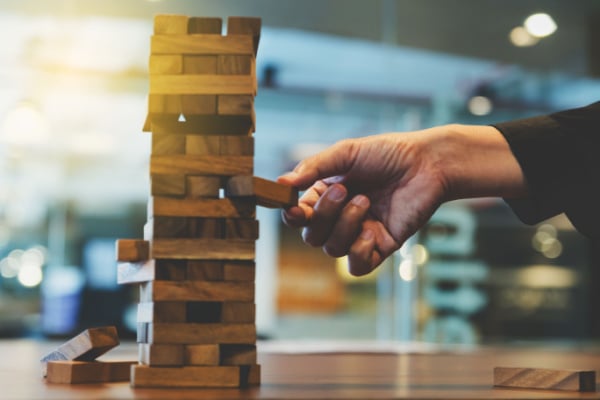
(196, 269)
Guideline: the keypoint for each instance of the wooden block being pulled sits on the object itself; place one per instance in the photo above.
(201, 165)
(161, 354)
(187, 377)
(202, 354)
(192, 333)
(541, 378)
(132, 250)
(175, 291)
(199, 44)
(88, 371)
(201, 84)
(268, 193)
(87, 346)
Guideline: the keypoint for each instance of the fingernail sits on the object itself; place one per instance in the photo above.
(367, 234)
(361, 201)
(336, 193)
(288, 176)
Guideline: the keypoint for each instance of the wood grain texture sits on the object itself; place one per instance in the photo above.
(204, 249)
(166, 227)
(199, 44)
(245, 26)
(235, 105)
(161, 354)
(198, 104)
(202, 354)
(203, 145)
(233, 64)
(268, 193)
(201, 84)
(239, 271)
(237, 146)
(169, 64)
(199, 65)
(86, 346)
(201, 165)
(205, 208)
(203, 125)
(166, 24)
(237, 354)
(198, 270)
(175, 291)
(162, 311)
(185, 377)
(170, 270)
(205, 25)
(241, 228)
(199, 187)
(191, 333)
(165, 144)
(541, 378)
(132, 250)
(168, 185)
(88, 371)
(238, 312)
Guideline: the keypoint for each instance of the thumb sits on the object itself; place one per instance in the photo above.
(333, 161)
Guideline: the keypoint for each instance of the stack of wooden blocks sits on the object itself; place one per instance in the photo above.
(196, 269)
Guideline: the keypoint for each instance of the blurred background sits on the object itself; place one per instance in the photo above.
(74, 162)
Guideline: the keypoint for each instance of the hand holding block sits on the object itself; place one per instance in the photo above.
(268, 193)
(131, 250)
(540, 378)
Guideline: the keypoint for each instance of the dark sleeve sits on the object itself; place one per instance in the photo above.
(559, 155)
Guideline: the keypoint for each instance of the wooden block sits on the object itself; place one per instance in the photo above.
(161, 354)
(132, 250)
(206, 208)
(233, 64)
(162, 311)
(540, 378)
(170, 24)
(135, 272)
(167, 227)
(237, 354)
(253, 377)
(205, 25)
(175, 291)
(239, 271)
(170, 270)
(206, 228)
(237, 146)
(201, 84)
(202, 145)
(201, 165)
(192, 104)
(169, 64)
(245, 26)
(203, 125)
(199, 187)
(201, 44)
(202, 354)
(241, 229)
(205, 270)
(86, 346)
(267, 193)
(235, 105)
(201, 65)
(238, 312)
(164, 144)
(167, 184)
(204, 249)
(190, 333)
(164, 104)
(88, 371)
(186, 377)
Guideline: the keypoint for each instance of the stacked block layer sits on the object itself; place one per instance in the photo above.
(195, 266)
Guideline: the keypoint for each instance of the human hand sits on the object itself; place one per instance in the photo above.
(366, 196)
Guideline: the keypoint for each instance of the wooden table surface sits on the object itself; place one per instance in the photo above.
(360, 375)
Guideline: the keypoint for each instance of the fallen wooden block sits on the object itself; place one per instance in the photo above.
(541, 378)
(88, 371)
(268, 193)
(87, 346)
